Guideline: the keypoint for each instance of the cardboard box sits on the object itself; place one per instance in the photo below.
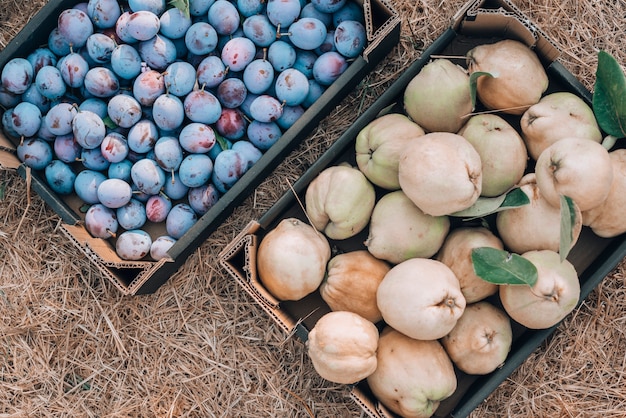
(593, 257)
(140, 277)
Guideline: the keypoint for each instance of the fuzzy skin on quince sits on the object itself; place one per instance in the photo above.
(339, 201)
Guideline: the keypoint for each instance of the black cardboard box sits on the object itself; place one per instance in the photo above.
(141, 277)
(594, 257)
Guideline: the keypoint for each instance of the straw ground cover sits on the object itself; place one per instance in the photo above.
(72, 345)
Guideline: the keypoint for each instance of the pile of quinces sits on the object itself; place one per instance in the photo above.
(423, 296)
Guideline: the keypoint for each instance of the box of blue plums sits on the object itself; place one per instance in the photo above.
(594, 257)
(144, 124)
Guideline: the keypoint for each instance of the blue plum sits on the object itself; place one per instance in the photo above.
(161, 245)
(114, 193)
(230, 165)
(197, 138)
(142, 136)
(89, 129)
(157, 52)
(283, 13)
(179, 220)
(103, 13)
(168, 112)
(26, 119)
(93, 159)
(60, 177)
(203, 198)
(238, 53)
(174, 23)
(168, 153)
(179, 78)
(201, 38)
(211, 71)
(258, 76)
(73, 68)
(282, 55)
(224, 17)
(50, 83)
(35, 153)
(202, 106)
(263, 134)
(307, 33)
(86, 185)
(157, 207)
(101, 82)
(266, 108)
(124, 110)
(232, 124)
(328, 67)
(231, 92)
(291, 87)
(17, 75)
(133, 245)
(143, 25)
(120, 170)
(350, 38)
(125, 61)
(99, 47)
(155, 6)
(66, 148)
(148, 86)
(101, 222)
(148, 176)
(75, 26)
(114, 147)
(259, 29)
(195, 170)
(132, 215)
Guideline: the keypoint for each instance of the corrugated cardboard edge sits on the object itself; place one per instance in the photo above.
(98, 250)
(376, 36)
(245, 245)
(369, 407)
(8, 158)
(476, 19)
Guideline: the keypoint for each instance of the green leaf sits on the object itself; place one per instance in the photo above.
(221, 141)
(568, 220)
(487, 205)
(473, 84)
(108, 122)
(182, 5)
(501, 267)
(3, 187)
(609, 96)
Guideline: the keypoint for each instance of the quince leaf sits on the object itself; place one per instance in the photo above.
(501, 267)
(488, 205)
(568, 220)
(473, 84)
(609, 97)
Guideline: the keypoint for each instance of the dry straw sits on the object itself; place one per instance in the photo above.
(72, 346)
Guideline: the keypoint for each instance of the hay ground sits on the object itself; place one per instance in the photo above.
(72, 346)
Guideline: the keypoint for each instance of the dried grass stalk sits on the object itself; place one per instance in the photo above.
(72, 346)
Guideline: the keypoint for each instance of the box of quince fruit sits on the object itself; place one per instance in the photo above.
(143, 124)
(442, 238)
